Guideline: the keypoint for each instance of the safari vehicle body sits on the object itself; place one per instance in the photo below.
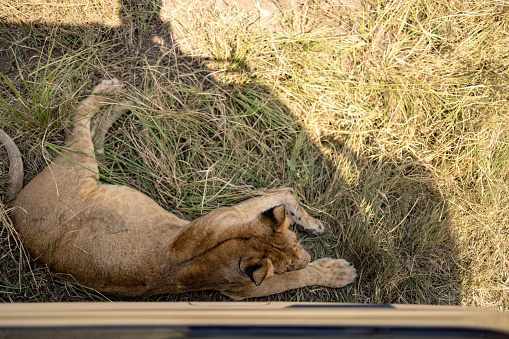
(248, 320)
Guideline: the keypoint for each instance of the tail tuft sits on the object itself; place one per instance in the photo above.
(15, 183)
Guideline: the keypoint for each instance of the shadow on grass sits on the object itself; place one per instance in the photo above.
(387, 216)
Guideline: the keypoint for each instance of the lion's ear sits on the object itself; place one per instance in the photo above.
(259, 270)
(277, 216)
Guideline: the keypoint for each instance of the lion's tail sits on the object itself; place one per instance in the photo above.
(15, 183)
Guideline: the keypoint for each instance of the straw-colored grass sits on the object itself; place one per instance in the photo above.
(389, 119)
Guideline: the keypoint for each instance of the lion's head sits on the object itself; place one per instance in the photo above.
(274, 248)
(222, 248)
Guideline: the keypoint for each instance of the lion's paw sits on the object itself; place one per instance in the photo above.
(108, 86)
(334, 272)
(306, 223)
(310, 226)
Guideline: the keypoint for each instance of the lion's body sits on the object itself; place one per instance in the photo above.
(119, 241)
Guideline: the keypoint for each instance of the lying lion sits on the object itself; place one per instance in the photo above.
(118, 241)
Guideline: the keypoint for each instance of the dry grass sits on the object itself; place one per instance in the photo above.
(389, 119)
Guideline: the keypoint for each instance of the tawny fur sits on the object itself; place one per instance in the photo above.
(118, 241)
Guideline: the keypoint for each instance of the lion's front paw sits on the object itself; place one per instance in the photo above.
(108, 86)
(310, 225)
(334, 272)
(305, 223)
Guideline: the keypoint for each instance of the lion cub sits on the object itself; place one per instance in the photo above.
(118, 241)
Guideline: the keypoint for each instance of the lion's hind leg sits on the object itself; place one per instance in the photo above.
(79, 150)
(80, 137)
